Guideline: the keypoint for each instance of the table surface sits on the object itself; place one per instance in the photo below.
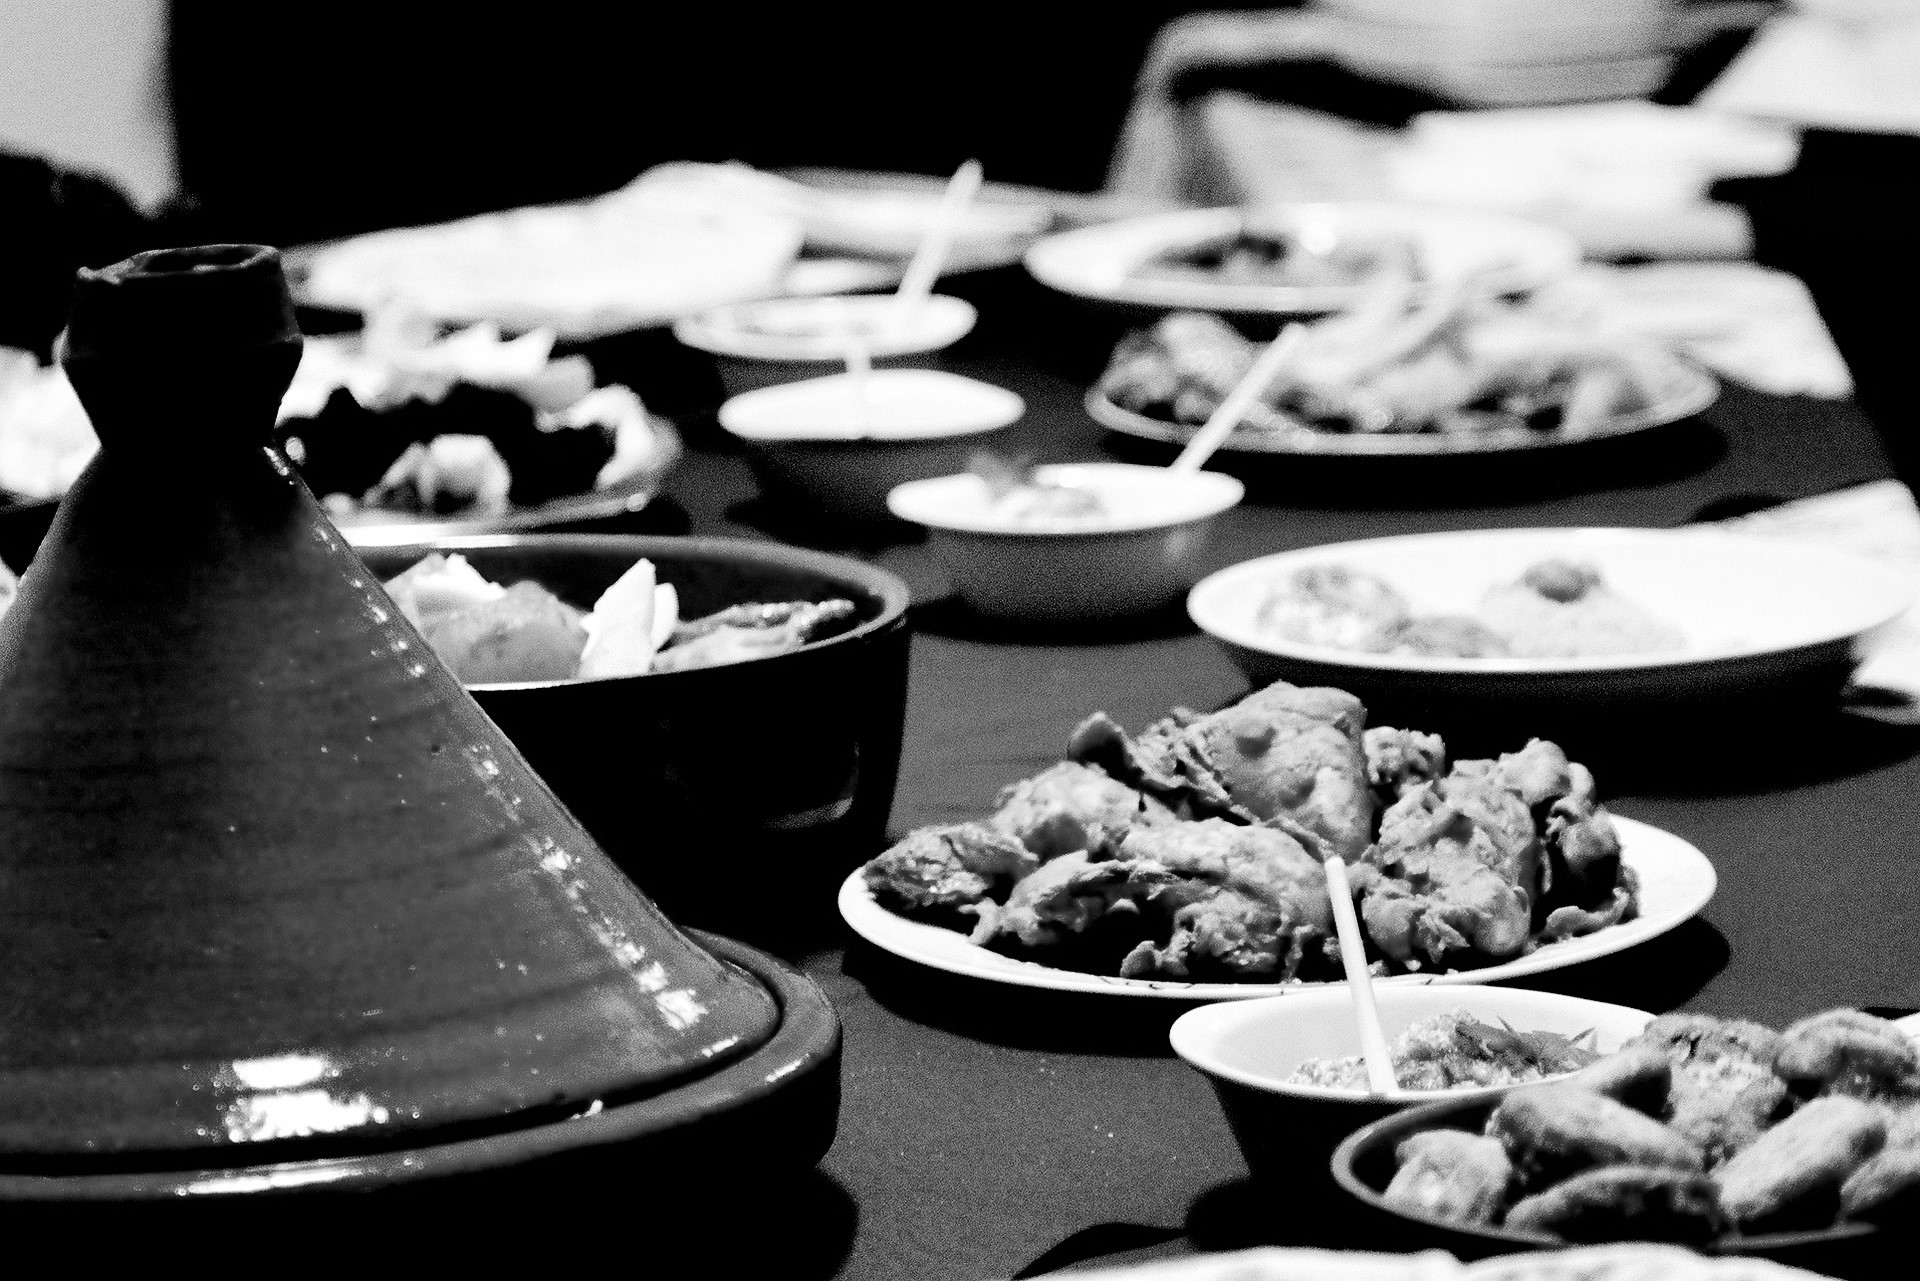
(992, 1132)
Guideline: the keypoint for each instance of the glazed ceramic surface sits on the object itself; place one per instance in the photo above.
(274, 884)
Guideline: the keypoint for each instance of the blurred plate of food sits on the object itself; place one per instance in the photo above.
(1185, 862)
(681, 239)
(399, 429)
(1538, 613)
(1409, 372)
(1293, 259)
(407, 429)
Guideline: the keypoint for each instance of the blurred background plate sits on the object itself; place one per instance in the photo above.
(1103, 262)
(1690, 392)
(1757, 614)
(1676, 881)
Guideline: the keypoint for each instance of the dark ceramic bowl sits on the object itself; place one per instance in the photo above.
(1363, 1165)
(736, 796)
(772, 1112)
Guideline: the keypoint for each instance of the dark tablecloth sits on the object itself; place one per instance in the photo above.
(988, 1130)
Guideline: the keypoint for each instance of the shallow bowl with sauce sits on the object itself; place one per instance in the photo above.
(1247, 1050)
(836, 446)
(1141, 554)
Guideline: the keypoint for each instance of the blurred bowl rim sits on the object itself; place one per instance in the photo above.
(892, 591)
(926, 502)
(941, 321)
(1196, 1031)
(1000, 408)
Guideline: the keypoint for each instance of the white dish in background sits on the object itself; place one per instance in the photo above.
(819, 329)
(888, 404)
(1259, 1044)
(1753, 610)
(1676, 882)
(1102, 262)
(1140, 554)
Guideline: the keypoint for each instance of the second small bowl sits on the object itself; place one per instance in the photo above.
(783, 340)
(836, 446)
(1141, 555)
(1248, 1049)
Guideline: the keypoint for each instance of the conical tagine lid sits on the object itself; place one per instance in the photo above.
(271, 884)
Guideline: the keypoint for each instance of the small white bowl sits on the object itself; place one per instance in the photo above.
(781, 340)
(1248, 1049)
(1141, 556)
(819, 443)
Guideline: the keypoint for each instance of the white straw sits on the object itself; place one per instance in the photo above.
(1252, 385)
(1353, 958)
(931, 255)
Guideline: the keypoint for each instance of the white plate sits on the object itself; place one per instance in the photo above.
(1688, 392)
(1676, 880)
(1751, 609)
(1101, 262)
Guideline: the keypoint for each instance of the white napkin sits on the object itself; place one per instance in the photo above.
(1880, 521)
(1842, 64)
(1752, 324)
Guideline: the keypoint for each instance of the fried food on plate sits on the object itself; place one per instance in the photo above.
(1194, 850)
(1451, 1174)
(1691, 1129)
(1640, 1202)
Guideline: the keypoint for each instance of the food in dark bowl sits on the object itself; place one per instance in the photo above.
(773, 776)
(1717, 1133)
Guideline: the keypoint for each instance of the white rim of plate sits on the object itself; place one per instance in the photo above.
(1206, 608)
(941, 321)
(1099, 262)
(1676, 882)
(926, 502)
(997, 407)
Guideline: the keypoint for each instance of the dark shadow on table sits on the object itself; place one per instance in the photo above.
(1099, 1243)
(1017, 1018)
(952, 618)
(1660, 975)
(1309, 1211)
(1519, 478)
(793, 523)
(799, 1227)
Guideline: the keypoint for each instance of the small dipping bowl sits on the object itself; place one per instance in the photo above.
(823, 446)
(783, 340)
(1287, 1132)
(1141, 555)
